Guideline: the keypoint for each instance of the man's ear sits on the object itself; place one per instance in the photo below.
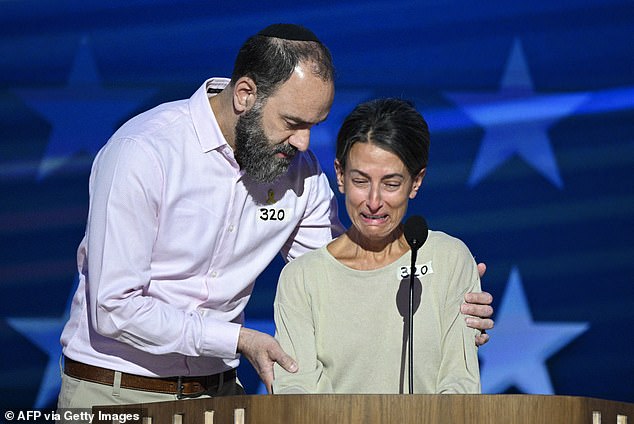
(418, 181)
(244, 94)
(339, 173)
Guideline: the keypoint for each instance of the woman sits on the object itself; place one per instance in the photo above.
(340, 310)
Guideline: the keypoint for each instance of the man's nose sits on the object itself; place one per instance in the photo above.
(300, 139)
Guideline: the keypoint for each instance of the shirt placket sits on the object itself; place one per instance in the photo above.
(228, 235)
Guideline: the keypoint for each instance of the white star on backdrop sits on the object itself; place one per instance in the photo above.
(516, 121)
(83, 114)
(45, 333)
(517, 355)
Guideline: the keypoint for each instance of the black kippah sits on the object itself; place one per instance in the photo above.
(289, 32)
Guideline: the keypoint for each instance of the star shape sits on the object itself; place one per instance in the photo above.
(517, 355)
(45, 333)
(516, 121)
(83, 114)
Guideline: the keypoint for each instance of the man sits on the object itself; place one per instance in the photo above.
(189, 202)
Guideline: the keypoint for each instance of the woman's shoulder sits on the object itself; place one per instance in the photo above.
(302, 275)
(307, 260)
(446, 243)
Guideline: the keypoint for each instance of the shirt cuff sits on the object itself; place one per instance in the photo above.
(220, 339)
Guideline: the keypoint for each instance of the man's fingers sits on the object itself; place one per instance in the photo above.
(285, 360)
(289, 365)
(275, 354)
(479, 311)
(482, 268)
(478, 305)
(479, 324)
(263, 351)
(266, 375)
(482, 298)
(482, 338)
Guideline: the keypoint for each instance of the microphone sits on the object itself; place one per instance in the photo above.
(415, 231)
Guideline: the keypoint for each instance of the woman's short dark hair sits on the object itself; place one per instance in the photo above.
(270, 60)
(391, 124)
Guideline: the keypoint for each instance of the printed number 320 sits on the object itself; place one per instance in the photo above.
(272, 214)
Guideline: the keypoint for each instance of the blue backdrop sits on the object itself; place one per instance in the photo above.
(531, 109)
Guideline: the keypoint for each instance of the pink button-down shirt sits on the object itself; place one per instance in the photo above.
(176, 236)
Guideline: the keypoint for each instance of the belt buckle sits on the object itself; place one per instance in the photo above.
(179, 390)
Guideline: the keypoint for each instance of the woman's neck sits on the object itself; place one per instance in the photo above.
(358, 252)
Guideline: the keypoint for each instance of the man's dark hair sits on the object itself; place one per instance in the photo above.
(391, 124)
(270, 57)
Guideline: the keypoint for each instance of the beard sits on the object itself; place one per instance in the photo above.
(256, 153)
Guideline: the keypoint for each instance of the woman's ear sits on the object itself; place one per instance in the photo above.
(340, 175)
(244, 94)
(418, 181)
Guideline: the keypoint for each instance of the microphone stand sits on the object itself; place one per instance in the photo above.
(411, 321)
(415, 231)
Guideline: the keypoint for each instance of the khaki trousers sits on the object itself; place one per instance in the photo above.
(77, 396)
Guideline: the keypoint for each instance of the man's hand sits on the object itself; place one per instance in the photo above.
(263, 351)
(479, 305)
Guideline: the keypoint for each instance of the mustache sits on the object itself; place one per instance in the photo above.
(286, 149)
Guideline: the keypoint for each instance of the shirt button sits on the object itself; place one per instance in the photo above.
(214, 274)
(231, 228)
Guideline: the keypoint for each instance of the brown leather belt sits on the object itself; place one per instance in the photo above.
(180, 386)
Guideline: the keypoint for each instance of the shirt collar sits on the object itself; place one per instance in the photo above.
(209, 134)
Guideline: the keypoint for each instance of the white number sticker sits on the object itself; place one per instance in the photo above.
(419, 270)
(273, 214)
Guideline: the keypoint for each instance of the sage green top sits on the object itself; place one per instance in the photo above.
(347, 331)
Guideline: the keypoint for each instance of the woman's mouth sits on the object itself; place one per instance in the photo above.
(374, 218)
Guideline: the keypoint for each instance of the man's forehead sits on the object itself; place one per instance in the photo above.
(306, 101)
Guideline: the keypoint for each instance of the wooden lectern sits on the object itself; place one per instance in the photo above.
(371, 409)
